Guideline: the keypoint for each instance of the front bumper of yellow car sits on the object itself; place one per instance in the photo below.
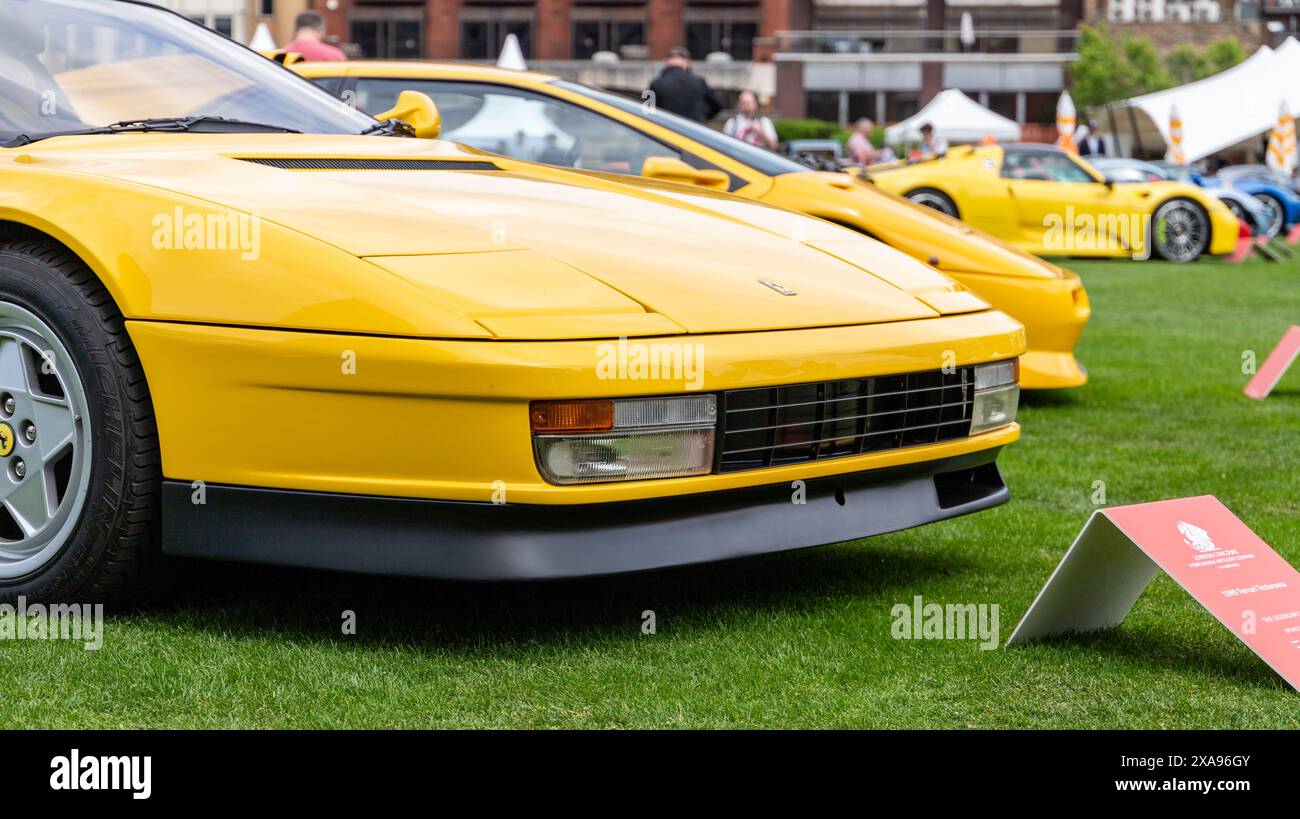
(1054, 312)
(1224, 229)
(415, 456)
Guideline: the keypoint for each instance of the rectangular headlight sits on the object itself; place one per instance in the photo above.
(997, 395)
(623, 439)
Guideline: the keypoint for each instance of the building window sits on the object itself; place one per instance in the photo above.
(823, 105)
(388, 37)
(224, 24)
(483, 34)
(1001, 102)
(861, 104)
(733, 37)
(899, 105)
(266, 8)
(1040, 106)
(590, 36)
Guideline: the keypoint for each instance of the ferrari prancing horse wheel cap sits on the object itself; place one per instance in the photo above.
(6, 439)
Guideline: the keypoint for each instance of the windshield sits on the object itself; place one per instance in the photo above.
(69, 65)
(759, 159)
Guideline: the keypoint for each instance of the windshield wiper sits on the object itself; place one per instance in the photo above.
(392, 127)
(202, 124)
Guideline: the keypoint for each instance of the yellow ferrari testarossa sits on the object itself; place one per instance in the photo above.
(1053, 203)
(539, 117)
(243, 320)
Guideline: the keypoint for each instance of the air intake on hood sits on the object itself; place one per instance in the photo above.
(329, 164)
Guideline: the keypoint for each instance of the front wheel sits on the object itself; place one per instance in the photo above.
(937, 200)
(1235, 208)
(79, 466)
(1276, 213)
(1180, 230)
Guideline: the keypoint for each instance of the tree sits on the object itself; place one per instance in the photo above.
(1099, 75)
(1185, 64)
(1221, 55)
(1148, 70)
(1114, 67)
(1118, 66)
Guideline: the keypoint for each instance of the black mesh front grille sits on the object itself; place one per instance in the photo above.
(773, 426)
(308, 164)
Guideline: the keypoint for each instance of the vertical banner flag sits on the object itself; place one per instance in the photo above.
(1281, 142)
(1176, 154)
(1203, 547)
(1065, 121)
(1276, 365)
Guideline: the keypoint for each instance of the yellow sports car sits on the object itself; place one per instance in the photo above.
(1050, 202)
(245, 321)
(541, 118)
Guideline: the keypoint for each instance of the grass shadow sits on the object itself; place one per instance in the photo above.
(1048, 398)
(306, 605)
(1158, 650)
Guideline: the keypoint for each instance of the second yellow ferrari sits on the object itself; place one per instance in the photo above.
(1050, 202)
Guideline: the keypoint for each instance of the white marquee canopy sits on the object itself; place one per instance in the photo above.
(957, 118)
(1217, 112)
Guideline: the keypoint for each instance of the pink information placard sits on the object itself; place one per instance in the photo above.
(1275, 366)
(1199, 543)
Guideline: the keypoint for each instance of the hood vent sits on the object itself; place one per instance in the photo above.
(330, 164)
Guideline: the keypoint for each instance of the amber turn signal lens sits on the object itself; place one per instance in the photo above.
(571, 416)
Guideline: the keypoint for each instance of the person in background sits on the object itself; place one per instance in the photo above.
(859, 143)
(308, 39)
(679, 91)
(1092, 143)
(933, 146)
(749, 124)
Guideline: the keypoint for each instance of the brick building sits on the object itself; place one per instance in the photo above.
(557, 30)
(833, 59)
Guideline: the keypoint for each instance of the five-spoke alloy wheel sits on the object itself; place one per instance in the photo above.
(79, 465)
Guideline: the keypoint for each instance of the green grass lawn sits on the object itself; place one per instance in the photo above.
(792, 640)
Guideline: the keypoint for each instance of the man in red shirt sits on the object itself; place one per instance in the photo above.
(309, 28)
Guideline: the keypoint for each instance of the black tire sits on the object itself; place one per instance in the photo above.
(111, 543)
(1237, 210)
(1176, 250)
(1277, 213)
(934, 199)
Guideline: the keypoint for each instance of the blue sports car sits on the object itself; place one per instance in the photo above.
(1274, 191)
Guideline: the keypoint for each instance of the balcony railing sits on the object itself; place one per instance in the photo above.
(922, 41)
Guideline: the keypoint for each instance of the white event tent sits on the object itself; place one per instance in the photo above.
(957, 118)
(1217, 112)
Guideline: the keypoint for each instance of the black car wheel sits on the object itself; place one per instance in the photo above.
(1276, 213)
(79, 463)
(1180, 230)
(931, 198)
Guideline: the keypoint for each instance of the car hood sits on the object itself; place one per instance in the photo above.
(529, 251)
